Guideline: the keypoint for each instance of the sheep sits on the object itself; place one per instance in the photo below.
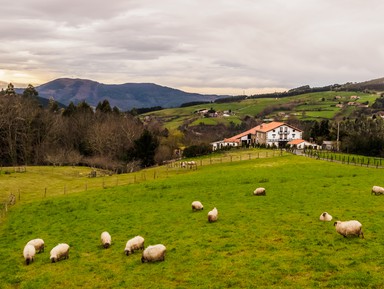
(106, 240)
(133, 244)
(347, 228)
(377, 190)
(29, 253)
(61, 251)
(325, 217)
(192, 164)
(259, 192)
(38, 244)
(213, 215)
(153, 253)
(197, 206)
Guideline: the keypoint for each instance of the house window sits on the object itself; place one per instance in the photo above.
(285, 129)
(293, 135)
(273, 136)
(281, 128)
(293, 130)
(273, 130)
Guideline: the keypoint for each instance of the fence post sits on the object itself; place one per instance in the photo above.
(45, 193)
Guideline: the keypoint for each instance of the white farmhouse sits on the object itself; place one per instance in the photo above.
(269, 134)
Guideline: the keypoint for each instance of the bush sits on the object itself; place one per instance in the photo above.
(197, 150)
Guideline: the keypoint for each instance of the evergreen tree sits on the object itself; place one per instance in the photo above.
(30, 91)
(10, 90)
(104, 107)
(145, 149)
(70, 110)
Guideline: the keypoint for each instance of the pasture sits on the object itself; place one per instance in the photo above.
(308, 106)
(272, 241)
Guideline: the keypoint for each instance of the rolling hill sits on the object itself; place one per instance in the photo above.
(124, 96)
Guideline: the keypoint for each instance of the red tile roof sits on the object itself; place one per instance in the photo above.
(296, 141)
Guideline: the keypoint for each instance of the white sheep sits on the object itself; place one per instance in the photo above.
(136, 243)
(29, 253)
(348, 228)
(197, 206)
(153, 253)
(192, 164)
(38, 244)
(213, 215)
(377, 190)
(61, 251)
(106, 239)
(325, 217)
(259, 192)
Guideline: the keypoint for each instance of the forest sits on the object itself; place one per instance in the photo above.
(104, 137)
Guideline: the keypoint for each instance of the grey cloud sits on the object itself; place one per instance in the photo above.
(240, 44)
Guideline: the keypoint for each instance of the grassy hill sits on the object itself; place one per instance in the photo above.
(272, 241)
(309, 106)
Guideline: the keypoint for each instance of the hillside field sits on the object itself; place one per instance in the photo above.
(272, 241)
(309, 106)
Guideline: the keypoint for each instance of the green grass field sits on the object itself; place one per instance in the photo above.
(276, 241)
(317, 105)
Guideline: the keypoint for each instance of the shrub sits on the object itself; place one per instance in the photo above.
(197, 150)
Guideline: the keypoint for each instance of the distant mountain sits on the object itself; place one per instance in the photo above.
(124, 96)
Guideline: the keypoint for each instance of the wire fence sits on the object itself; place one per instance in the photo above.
(76, 180)
(348, 159)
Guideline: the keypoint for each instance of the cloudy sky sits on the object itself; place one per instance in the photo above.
(207, 46)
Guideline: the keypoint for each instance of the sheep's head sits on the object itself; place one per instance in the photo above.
(336, 223)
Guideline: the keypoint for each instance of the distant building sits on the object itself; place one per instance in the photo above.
(329, 145)
(302, 144)
(269, 134)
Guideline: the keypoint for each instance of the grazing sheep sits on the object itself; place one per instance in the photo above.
(153, 253)
(259, 192)
(38, 244)
(197, 206)
(377, 190)
(347, 228)
(61, 251)
(213, 215)
(106, 240)
(136, 243)
(192, 164)
(29, 253)
(325, 217)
